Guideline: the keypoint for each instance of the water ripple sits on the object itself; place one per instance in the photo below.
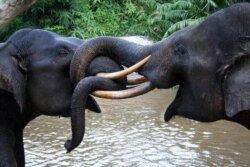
(132, 133)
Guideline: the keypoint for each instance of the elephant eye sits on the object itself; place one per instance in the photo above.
(63, 52)
(180, 50)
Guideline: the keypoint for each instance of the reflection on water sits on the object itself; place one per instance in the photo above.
(132, 132)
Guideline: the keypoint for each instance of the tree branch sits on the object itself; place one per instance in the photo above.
(9, 9)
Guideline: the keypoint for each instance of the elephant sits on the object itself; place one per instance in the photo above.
(35, 80)
(208, 61)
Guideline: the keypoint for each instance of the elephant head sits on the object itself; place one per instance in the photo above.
(35, 66)
(34, 80)
(205, 60)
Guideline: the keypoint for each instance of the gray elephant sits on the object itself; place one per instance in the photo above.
(209, 62)
(34, 80)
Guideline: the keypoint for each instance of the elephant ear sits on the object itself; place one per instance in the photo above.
(236, 81)
(11, 78)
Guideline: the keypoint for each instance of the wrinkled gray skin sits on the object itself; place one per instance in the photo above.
(34, 80)
(209, 62)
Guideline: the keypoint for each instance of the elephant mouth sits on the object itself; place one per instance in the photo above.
(137, 85)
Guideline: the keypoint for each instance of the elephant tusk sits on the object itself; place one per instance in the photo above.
(119, 74)
(138, 80)
(122, 94)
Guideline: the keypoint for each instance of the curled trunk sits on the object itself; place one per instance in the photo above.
(122, 51)
(81, 92)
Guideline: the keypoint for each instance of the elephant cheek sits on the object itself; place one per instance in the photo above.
(160, 73)
(51, 106)
(161, 79)
(49, 101)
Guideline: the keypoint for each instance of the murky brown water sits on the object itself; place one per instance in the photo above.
(132, 133)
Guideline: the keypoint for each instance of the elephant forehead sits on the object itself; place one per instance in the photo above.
(72, 40)
(39, 39)
(52, 37)
(69, 42)
(55, 42)
(41, 35)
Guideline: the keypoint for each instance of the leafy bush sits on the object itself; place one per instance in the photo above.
(85, 19)
(88, 18)
(170, 17)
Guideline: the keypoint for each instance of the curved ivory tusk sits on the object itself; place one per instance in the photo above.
(138, 80)
(122, 94)
(119, 74)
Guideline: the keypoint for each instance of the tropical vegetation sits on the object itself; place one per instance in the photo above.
(88, 18)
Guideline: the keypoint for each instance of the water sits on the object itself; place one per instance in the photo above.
(132, 132)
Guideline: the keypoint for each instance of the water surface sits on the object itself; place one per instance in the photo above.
(132, 132)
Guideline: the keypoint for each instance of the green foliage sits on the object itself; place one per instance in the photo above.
(85, 19)
(170, 17)
(88, 18)
(96, 21)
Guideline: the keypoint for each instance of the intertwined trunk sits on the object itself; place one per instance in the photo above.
(78, 106)
(122, 51)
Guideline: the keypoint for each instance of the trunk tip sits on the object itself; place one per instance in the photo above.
(68, 145)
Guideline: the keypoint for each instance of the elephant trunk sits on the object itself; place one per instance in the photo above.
(122, 51)
(81, 92)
